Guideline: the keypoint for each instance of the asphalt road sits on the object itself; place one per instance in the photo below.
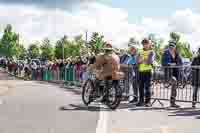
(38, 107)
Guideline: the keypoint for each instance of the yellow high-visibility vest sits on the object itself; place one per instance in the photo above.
(145, 67)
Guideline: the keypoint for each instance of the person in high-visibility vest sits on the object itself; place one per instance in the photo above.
(145, 60)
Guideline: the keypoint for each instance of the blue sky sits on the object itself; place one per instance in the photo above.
(153, 8)
(117, 20)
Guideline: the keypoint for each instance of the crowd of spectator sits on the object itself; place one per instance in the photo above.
(35, 71)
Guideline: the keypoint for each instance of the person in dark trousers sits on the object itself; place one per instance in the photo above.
(61, 67)
(145, 60)
(171, 60)
(195, 77)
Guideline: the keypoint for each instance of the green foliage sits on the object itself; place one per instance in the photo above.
(157, 44)
(71, 48)
(60, 45)
(47, 50)
(175, 37)
(34, 50)
(183, 47)
(9, 43)
(58, 50)
(97, 43)
(23, 52)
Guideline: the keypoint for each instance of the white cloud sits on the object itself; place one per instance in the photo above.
(185, 21)
(36, 23)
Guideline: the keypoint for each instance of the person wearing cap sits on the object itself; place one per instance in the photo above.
(145, 60)
(195, 77)
(107, 67)
(110, 62)
(170, 60)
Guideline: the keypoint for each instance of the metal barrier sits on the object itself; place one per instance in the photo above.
(178, 82)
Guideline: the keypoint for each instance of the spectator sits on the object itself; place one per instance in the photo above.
(124, 58)
(125, 68)
(84, 74)
(170, 60)
(61, 67)
(78, 68)
(195, 77)
(132, 72)
(27, 71)
(128, 64)
(34, 70)
(145, 60)
(54, 69)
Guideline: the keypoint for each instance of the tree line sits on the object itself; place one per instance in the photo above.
(10, 46)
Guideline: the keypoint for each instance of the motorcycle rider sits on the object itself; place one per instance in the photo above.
(107, 66)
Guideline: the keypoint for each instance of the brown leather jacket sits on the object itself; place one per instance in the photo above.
(109, 66)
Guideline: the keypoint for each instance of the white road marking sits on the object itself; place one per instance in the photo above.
(102, 125)
(165, 129)
(1, 101)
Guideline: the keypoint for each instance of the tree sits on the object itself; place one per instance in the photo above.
(175, 37)
(60, 44)
(97, 43)
(9, 45)
(34, 50)
(47, 50)
(58, 49)
(157, 45)
(80, 46)
(182, 47)
(23, 52)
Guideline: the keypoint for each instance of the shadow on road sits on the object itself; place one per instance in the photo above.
(92, 108)
(73, 107)
(147, 108)
(45, 83)
(187, 112)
